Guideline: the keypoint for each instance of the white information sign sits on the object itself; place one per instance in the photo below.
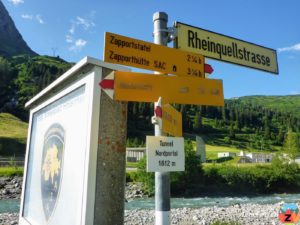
(56, 153)
(165, 154)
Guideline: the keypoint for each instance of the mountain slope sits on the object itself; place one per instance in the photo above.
(287, 103)
(253, 122)
(11, 41)
(13, 135)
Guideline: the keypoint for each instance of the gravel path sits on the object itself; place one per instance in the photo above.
(248, 214)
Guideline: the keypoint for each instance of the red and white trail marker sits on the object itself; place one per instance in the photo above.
(107, 84)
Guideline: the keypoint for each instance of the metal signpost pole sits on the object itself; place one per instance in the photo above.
(162, 179)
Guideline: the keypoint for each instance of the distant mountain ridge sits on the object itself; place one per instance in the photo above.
(11, 41)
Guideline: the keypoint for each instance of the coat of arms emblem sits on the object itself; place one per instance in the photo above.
(51, 169)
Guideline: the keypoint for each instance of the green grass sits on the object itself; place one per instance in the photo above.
(11, 171)
(13, 135)
(12, 127)
(131, 164)
(240, 165)
(212, 150)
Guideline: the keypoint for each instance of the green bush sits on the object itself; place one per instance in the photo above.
(187, 180)
(255, 179)
(131, 176)
(143, 176)
(282, 176)
(180, 181)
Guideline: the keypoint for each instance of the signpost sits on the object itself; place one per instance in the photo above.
(169, 118)
(138, 87)
(100, 185)
(225, 48)
(145, 55)
(171, 121)
(165, 154)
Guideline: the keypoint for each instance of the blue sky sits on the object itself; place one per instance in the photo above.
(75, 29)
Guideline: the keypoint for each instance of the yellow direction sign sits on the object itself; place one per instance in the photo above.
(145, 55)
(138, 87)
(171, 121)
(225, 48)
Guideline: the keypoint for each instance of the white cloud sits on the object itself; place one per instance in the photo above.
(295, 47)
(27, 16)
(85, 23)
(39, 19)
(69, 39)
(16, 2)
(81, 24)
(72, 29)
(78, 45)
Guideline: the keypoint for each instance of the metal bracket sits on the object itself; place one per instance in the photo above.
(172, 33)
(156, 121)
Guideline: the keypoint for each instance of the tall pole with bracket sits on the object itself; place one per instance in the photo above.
(162, 179)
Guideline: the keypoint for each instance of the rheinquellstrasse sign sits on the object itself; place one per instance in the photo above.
(225, 48)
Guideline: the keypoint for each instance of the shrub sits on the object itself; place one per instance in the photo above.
(179, 180)
(191, 176)
(143, 176)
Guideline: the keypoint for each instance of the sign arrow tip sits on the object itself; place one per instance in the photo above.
(107, 84)
(208, 69)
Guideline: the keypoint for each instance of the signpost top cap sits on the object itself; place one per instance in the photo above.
(160, 16)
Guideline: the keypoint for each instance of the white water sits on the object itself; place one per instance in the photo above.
(215, 201)
(13, 205)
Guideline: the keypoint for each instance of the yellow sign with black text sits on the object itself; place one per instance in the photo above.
(171, 121)
(139, 87)
(225, 48)
(145, 55)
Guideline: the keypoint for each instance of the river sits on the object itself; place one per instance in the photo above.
(13, 205)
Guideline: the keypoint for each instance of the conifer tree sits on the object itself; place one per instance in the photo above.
(291, 144)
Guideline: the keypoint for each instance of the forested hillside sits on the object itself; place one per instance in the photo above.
(22, 77)
(256, 122)
(252, 123)
(288, 103)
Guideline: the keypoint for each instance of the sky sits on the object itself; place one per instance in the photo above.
(75, 29)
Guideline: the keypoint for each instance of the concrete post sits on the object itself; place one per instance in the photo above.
(111, 164)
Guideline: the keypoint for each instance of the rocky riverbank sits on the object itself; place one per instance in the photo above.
(252, 214)
(245, 214)
(133, 191)
(10, 187)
